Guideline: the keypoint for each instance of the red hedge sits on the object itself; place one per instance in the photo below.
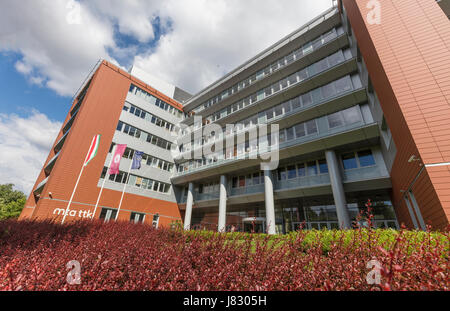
(124, 256)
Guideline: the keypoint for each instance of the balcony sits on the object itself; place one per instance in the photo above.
(360, 179)
(320, 51)
(306, 33)
(325, 138)
(305, 112)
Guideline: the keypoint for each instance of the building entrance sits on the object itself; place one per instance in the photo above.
(254, 224)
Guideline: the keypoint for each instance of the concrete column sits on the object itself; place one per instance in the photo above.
(338, 190)
(222, 204)
(270, 205)
(189, 202)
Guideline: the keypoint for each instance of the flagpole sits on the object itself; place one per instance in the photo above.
(124, 187)
(104, 180)
(76, 184)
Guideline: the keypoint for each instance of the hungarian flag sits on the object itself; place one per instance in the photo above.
(114, 168)
(92, 149)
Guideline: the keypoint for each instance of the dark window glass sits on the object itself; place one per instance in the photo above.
(290, 133)
(323, 167)
(241, 181)
(335, 120)
(312, 168)
(306, 99)
(281, 174)
(292, 172)
(351, 115)
(311, 127)
(119, 126)
(296, 103)
(366, 158)
(301, 171)
(343, 84)
(256, 179)
(349, 161)
(328, 90)
(300, 130)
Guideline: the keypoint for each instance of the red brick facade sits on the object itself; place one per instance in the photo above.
(99, 114)
(408, 59)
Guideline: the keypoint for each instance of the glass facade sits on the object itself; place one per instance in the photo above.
(302, 213)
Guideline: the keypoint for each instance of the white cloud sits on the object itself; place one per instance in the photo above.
(60, 40)
(25, 144)
(54, 52)
(210, 38)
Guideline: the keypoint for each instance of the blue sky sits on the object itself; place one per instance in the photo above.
(19, 96)
(47, 48)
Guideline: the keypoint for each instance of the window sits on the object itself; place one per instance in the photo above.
(349, 161)
(343, 84)
(296, 103)
(328, 90)
(107, 214)
(312, 168)
(366, 158)
(256, 179)
(351, 115)
(282, 174)
(241, 181)
(323, 167)
(301, 171)
(335, 120)
(300, 130)
(137, 217)
(306, 99)
(155, 222)
(292, 172)
(290, 133)
(311, 127)
(234, 182)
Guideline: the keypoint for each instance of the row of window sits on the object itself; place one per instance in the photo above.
(298, 170)
(108, 213)
(277, 65)
(147, 159)
(144, 136)
(248, 180)
(150, 118)
(313, 97)
(278, 86)
(155, 101)
(137, 181)
(346, 117)
(350, 160)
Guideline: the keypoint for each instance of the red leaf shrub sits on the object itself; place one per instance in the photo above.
(124, 256)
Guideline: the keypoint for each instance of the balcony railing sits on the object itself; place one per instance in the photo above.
(353, 175)
(264, 149)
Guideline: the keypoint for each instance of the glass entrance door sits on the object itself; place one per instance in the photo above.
(254, 224)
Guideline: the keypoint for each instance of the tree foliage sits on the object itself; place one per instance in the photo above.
(11, 201)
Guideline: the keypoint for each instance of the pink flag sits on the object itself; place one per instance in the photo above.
(114, 168)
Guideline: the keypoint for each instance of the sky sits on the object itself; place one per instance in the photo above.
(48, 47)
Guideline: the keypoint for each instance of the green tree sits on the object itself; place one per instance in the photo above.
(11, 202)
